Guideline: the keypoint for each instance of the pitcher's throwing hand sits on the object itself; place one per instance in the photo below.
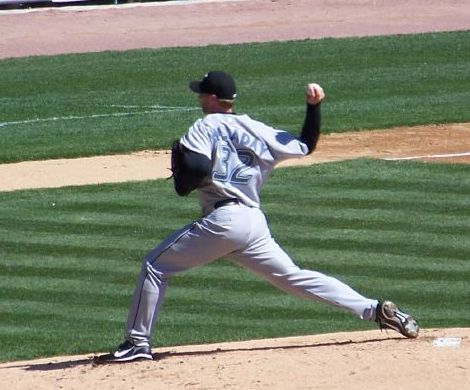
(314, 94)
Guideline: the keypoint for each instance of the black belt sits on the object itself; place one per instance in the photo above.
(226, 202)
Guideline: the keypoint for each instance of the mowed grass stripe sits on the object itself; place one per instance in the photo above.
(41, 312)
(407, 272)
(388, 220)
(85, 226)
(100, 242)
(62, 292)
(360, 221)
(395, 248)
(64, 250)
(36, 306)
(65, 274)
(73, 263)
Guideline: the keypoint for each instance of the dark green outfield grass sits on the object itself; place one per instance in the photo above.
(69, 257)
(101, 103)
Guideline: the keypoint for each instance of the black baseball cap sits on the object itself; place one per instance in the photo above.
(216, 83)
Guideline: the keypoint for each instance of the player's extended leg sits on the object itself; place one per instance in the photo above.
(266, 258)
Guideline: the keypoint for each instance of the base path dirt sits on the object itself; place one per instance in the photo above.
(439, 359)
(443, 143)
(203, 22)
(197, 23)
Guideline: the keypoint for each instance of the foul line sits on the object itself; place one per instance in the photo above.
(157, 109)
(429, 156)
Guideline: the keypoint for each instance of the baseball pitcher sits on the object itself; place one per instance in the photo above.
(227, 157)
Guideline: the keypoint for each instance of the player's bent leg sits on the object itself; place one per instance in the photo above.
(150, 291)
(196, 244)
(193, 245)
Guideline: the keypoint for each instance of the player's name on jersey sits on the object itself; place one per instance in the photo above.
(241, 138)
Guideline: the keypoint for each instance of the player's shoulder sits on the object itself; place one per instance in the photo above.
(218, 117)
(231, 118)
(199, 125)
(214, 122)
(206, 125)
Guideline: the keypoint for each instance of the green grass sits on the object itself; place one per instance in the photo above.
(69, 257)
(111, 102)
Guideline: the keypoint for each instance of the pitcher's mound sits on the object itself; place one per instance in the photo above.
(438, 359)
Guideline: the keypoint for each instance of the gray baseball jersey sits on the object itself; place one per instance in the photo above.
(243, 152)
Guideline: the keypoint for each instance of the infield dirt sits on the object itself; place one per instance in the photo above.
(336, 361)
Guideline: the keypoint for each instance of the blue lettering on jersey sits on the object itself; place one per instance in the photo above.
(246, 140)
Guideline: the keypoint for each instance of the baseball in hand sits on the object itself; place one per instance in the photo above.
(314, 93)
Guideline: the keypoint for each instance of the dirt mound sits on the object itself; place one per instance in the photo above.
(438, 359)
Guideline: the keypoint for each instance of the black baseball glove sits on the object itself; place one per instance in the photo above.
(190, 170)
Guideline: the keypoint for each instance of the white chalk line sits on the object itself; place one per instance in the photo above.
(155, 109)
(449, 155)
(153, 106)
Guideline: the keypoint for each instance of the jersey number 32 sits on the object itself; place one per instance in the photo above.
(234, 165)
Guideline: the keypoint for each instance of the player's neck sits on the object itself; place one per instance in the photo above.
(219, 110)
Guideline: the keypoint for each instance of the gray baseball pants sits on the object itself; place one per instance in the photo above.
(241, 234)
